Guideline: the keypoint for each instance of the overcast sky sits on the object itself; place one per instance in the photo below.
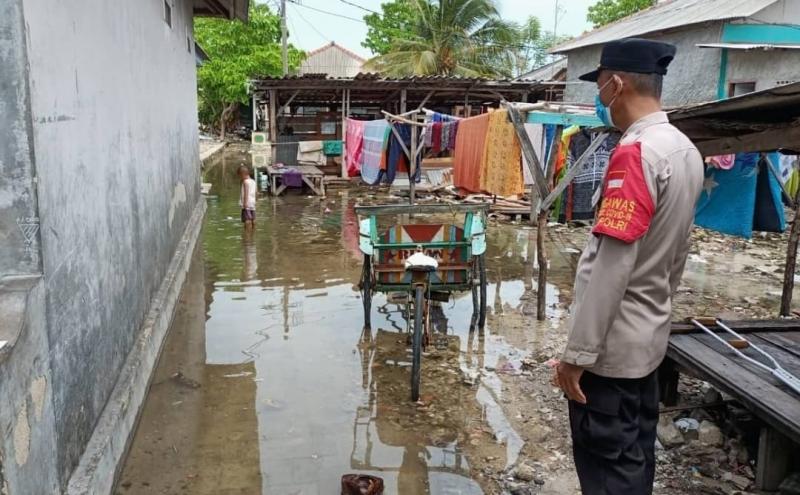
(310, 29)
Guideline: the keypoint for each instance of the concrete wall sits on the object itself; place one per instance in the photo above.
(18, 254)
(692, 77)
(112, 117)
(765, 68)
(783, 12)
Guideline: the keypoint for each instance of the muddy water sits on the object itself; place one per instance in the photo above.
(268, 382)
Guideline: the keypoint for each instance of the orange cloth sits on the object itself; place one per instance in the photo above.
(501, 170)
(469, 152)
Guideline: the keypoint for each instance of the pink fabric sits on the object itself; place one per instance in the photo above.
(724, 162)
(353, 146)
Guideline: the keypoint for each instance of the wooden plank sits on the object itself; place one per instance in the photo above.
(766, 400)
(565, 119)
(789, 361)
(745, 326)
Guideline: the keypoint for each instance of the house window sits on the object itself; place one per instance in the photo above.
(167, 13)
(741, 88)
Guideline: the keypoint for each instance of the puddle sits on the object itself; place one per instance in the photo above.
(288, 392)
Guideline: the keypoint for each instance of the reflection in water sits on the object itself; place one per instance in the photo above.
(292, 387)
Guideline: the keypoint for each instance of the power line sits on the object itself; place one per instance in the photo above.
(327, 12)
(359, 7)
(312, 26)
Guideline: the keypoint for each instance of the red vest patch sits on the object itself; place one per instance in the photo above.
(627, 206)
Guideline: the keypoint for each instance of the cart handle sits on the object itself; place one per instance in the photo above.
(431, 208)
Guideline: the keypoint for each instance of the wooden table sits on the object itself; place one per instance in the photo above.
(700, 355)
(311, 175)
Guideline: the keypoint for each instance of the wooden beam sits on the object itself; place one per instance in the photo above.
(527, 150)
(273, 119)
(403, 98)
(773, 463)
(758, 141)
(288, 102)
(791, 261)
(541, 231)
(573, 171)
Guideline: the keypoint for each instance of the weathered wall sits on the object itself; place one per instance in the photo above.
(115, 137)
(785, 11)
(19, 254)
(766, 68)
(692, 76)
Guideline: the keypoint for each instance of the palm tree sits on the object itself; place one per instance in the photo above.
(453, 38)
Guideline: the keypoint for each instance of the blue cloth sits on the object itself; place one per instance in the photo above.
(376, 137)
(728, 202)
(397, 155)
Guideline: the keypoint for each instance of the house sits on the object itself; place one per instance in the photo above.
(725, 47)
(100, 207)
(333, 60)
(553, 74)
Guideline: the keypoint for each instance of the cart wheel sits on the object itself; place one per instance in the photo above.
(419, 320)
(366, 290)
(482, 277)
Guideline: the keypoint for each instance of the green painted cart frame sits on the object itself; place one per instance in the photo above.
(458, 248)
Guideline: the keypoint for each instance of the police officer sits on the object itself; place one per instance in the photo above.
(626, 276)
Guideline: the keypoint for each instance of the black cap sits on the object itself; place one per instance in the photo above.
(633, 55)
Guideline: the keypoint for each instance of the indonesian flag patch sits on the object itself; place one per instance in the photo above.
(627, 206)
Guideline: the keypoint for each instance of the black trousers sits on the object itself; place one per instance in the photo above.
(614, 434)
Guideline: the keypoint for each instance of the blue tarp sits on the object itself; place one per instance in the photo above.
(743, 199)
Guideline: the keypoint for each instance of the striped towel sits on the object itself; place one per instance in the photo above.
(373, 153)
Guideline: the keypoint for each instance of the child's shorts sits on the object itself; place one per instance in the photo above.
(248, 215)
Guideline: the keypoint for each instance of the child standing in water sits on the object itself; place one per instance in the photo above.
(247, 198)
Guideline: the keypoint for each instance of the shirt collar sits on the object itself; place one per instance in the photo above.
(647, 121)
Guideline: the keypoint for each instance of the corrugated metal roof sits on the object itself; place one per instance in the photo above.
(748, 46)
(667, 15)
(333, 60)
(546, 72)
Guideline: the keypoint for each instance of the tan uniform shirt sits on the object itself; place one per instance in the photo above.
(635, 257)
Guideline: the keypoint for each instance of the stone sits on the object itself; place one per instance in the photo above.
(711, 395)
(710, 435)
(525, 473)
(668, 434)
(688, 428)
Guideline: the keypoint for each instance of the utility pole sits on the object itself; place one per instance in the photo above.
(283, 39)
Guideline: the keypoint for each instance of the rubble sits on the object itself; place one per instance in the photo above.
(709, 434)
(668, 434)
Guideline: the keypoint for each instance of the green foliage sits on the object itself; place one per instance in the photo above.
(454, 38)
(607, 11)
(395, 22)
(237, 52)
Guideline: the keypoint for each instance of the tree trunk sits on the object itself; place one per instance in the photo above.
(223, 120)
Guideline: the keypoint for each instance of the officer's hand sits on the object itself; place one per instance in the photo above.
(569, 377)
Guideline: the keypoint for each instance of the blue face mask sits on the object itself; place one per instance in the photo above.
(603, 111)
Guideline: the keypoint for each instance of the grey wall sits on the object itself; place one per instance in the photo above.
(113, 104)
(17, 194)
(785, 11)
(765, 68)
(692, 76)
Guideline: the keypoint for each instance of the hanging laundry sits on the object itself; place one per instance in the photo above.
(745, 198)
(310, 153)
(786, 164)
(451, 142)
(535, 133)
(722, 162)
(436, 136)
(469, 152)
(373, 154)
(332, 147)
(353, 146)
(577, 201)
(501, 169)
(397, 160)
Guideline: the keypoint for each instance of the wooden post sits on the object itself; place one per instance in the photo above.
(273, 122)
(403, 100)
(772, 465)
(412, 185)
(541, 231)
(791, 260)
(255, 113)
(344, 133)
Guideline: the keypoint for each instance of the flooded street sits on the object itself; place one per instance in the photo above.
(268, 382)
